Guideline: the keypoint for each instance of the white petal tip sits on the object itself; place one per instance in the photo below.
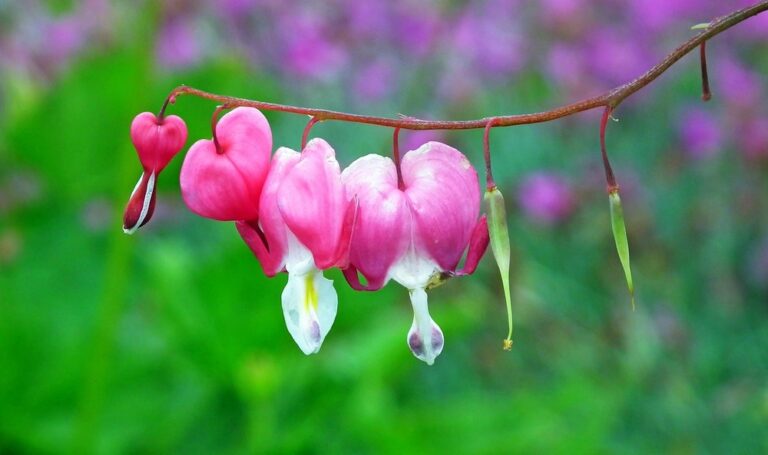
(309, 307)
(425, 339)
(426, 352)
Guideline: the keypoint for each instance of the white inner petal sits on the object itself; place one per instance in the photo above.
(146, 203)
(309, 307)
(425, 339)
(298, 258)
(413, 271)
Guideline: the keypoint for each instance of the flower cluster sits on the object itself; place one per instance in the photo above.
(299, 213)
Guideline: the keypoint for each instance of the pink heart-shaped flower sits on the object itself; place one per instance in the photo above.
(157, 141)
(226, 184)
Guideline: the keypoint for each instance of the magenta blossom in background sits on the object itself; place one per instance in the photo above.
(753, 138)
(701, 134)
(376, 80)
(309, 50)
(545, 197)
(178, 43)
(737, 84)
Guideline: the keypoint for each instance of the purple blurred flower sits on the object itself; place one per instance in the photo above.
(662, 14)
(309, 51)
(700, 133)
(376, 80)
(617, 58)
(753, 139)
(567, 65)
(737, 84)
(546, 197)
(369, 18)
(177, 43)
(567, 16)
(64, 38)
(495, 45)
(236, 9)
(416, 26)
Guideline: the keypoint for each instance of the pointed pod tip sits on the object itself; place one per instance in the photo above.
(507, 344)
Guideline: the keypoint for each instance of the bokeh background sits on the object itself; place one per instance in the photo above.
(172, 340)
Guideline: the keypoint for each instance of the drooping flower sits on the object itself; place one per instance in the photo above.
(156, 141)
(224, 182)
(416, 233)
(303, 227)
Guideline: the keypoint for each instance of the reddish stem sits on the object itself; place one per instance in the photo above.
(706, 95)
(609, 177)
(611, 98)
(489, 183)
(214, 122)
(396, 157)
(305, 135)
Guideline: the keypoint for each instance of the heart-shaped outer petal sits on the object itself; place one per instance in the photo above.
(312, 203)
(443, 193)
(157, 141)
(381, 233)
(267, 236)
(227, 186)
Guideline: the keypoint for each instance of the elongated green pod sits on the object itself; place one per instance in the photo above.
(620, 237)
(499, 236)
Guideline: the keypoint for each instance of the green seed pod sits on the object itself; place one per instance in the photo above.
(499, 239)
(620, 236)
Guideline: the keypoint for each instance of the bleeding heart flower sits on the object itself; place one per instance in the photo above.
(304, 227)
(417, 233)
(156, 142)
(224, 183)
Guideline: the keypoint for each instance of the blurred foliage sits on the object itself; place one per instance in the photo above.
(173, 340)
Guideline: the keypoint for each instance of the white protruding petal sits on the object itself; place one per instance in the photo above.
(413, 271)
(309, 307)
(425, 337)
(298, 258)
(146, 203)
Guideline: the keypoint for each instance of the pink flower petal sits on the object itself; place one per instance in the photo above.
(444, 196)
(272, 254)
(382, 227)
(156, 143)
(227, 186)
(311, 200)
(478, 243)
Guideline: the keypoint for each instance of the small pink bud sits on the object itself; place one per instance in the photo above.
(156, 142)
(226, 184)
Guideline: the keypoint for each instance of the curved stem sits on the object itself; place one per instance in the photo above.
(609, 177)
(214, 121)
(305, 135)
(396, 157)
(611, 98)
(489, 183)
(706, 94)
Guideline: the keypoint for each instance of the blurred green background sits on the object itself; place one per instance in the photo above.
(172, 340)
